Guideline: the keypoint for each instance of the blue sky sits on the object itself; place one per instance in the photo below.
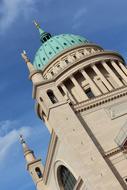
(101, 21)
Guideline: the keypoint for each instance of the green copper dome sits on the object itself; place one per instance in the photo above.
(53, 45)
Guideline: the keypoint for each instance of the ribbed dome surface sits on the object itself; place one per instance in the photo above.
(54, 46)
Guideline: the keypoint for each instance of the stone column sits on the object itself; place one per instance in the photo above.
(123, 67)
(109, 70)
(78, 55)
(71, 59)
(63, 64)
(68, 94)
(93, 86)
(55, 70)
(86, 52)
(118, 70)
(92, 50)
(81, 96)
(49, 75)
(102, 77)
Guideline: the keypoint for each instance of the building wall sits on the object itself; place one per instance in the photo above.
(78, 152)
(104, 126)
(86, 126)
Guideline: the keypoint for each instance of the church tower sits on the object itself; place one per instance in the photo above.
(33, 165)
(81, 95)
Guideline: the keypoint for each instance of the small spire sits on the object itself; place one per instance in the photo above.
(21, 139)
(28, 153)
(38, 27)
(24, 145)
(24, 56)
(36, 24)
(27, 61)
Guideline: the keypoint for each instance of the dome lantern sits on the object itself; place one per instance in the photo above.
(44, 36)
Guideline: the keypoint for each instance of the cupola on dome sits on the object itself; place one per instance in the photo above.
(53, 46)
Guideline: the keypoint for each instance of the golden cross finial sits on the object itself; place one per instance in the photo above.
(36, 24)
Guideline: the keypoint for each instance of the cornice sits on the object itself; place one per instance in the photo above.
(34, 72)
(31, 163)
(39, 108)
(100, 100)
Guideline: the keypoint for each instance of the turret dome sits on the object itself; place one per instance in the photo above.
(52, 46)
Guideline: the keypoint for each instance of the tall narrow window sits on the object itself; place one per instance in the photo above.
(61, 90)
(38, 172)
(89, 93)
(66, 179)
(52, 96)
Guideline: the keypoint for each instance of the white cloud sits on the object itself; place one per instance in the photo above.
(78, 17)
(9, 136)
(10, 10)
(80, 13)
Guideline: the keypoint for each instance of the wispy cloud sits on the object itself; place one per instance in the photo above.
(10, 10)
(80, 13)
(9, 135)
(78, 17)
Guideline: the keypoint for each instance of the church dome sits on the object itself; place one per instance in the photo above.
(54, 45)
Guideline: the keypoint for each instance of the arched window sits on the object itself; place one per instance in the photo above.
(52, 96)
(38, 172)
(66, 179)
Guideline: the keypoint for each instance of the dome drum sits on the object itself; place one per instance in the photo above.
(63, 63)
(69, 56)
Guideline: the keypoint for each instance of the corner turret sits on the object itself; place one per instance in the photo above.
(35, 75)
(34, 165)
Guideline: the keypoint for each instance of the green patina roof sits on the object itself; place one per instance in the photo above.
(53, 45)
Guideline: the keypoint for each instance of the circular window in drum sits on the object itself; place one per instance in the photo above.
(43, 58)
(50, 53)
(57, 47)
(66, 180)
(73, 41)
(39, 65)
(65, 43)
